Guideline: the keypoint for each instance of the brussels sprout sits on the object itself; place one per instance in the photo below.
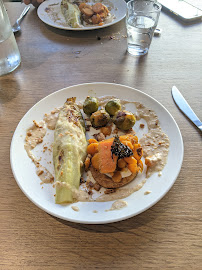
(90, 105)
(99, 118)
(124, 120)
(113, 106)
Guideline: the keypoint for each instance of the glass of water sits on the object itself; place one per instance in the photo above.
(9, 53)
(141, 21)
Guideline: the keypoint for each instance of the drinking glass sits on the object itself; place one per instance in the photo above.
(9, 53)
(141, 21)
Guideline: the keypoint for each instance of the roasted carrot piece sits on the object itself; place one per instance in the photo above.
(121, 163)
(106, 130)
(133, 168)
(87, 162)
(95, 161)
(130, 160)
(134, 139)
(92, 148)
(132, 164)
(129, 144)
(92, 141)
(124, 138)
(137, 151)
(107, 163)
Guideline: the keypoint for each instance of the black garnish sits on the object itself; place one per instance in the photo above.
(119, 149)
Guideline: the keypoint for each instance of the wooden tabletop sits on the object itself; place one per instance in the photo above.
(168, 235)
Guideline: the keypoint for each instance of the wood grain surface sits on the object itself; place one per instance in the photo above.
(168, 235)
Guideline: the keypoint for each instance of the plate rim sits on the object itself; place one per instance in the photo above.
(100, 221)
(84, 28)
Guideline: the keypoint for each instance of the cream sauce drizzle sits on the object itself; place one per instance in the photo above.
(34, 136)
(83, 196)
(117, 205)
(51, 118)
(75, 208)
(155, 143)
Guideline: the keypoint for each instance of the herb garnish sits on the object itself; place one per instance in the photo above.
(119, 149)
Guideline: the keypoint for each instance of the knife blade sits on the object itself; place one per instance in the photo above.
(185, 108)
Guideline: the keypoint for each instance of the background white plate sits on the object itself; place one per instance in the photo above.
(118, 10)
(24, 169)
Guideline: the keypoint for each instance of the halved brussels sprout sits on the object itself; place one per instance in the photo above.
(124, 120)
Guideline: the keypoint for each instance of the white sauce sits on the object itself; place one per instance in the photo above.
(155, 143)
(117, 205)
(51, 118)
(35, 135)
(75, 208)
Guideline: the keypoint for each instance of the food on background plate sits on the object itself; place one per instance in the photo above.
(71, 14)
(93, 14)
(69, 150)
(78, 13)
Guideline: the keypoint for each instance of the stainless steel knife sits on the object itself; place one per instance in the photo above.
(185, 108)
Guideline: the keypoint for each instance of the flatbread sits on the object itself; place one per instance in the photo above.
(105, 181)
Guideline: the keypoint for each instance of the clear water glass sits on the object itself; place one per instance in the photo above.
(9, 52)
(141, 21)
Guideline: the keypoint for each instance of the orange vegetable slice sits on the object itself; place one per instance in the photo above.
(92, 141)
(137, 151)
(107, 163)
(95, 161)
(92, 148)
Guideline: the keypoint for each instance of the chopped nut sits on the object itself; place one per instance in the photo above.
(40, 172)
(90, 192)
(141, 125)
(87, 162)
(116, 130)
(99, 136)
(82, 180)
(45, 148)
(91, 185)
(106, 130)
(88, 127)
(97, 187)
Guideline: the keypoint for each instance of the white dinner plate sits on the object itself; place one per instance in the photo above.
(49, 12)
(43, 195)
